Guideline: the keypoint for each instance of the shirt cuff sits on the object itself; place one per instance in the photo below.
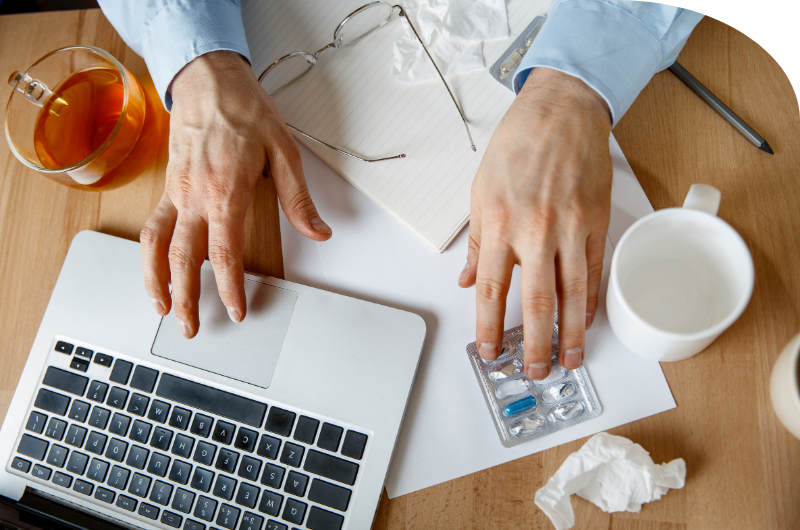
(605, 46)
(183, 31)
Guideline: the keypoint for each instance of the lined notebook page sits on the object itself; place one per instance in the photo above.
(349, 100)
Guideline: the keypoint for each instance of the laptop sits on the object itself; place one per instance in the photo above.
(284, 421)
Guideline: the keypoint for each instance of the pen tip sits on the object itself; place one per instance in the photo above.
(765, 147)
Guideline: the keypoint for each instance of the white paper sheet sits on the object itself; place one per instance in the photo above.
(447, 432)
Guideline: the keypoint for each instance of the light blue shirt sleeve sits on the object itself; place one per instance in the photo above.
(614, 46)
(169, 34)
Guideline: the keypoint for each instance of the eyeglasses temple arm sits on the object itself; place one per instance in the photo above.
(351, 155)
(403, 14)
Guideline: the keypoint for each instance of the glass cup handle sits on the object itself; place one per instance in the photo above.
(34, 90)
(704, 198)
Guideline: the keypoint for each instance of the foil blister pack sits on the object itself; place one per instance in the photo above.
(523, 409)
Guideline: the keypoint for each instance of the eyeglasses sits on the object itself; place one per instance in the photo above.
(353, 28)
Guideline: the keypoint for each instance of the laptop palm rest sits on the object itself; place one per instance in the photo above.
(247, 351)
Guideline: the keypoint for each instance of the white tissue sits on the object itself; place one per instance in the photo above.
(453, 31)
(612, 472)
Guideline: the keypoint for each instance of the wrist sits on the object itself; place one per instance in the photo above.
(204, 69)
(563, 90)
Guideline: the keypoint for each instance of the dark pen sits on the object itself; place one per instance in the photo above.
(720, 107)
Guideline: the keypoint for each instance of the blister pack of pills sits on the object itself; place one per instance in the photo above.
(523, 409)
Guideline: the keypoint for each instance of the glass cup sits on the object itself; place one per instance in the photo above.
(82, 119)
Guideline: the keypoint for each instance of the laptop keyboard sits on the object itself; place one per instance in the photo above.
(177, 453)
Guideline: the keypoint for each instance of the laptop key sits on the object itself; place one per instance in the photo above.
(319, 519)
(158, 411)
(21, 465)
(140, 485)
(268, 447)
(251, 521)
(36, 422)
(161, 493)
(158, 464)
(41, 472)
(193, 525)
(201, 425)
(121, 372)
(140, 431)
(249, 468)
(82, 487)
(280, 421)
(296, 484)
(180, 472)
(171, 519)
(79, 364)
(64, 347)
(66, 381)
(137, 457)
(32, 447)
(223, 432)
(331, 467)
(270, 503)
(224, 486)
(126, 503)
(204, 454)
(306, 429)
(97, 470)
(57, 456)
(228, 516)
(55, 429)
(97, 391)
(275, 525)
(118, 478)
(273, 476)
(161, 438)
(202, 479)
(329, 495)
(104, 495)
(294, 511)
(99, 418)
(117, 397)
(96, 443)
(183, 500)
(78, 411)
(179, 418)
(205, 509)
(51, 402)
(182, 446)
(247, 495)
(144, 378)
(148, 510)
(77, 463)
(119, 424)
(226, 461)
(292, 454)
(116, 450)
(246, 440)
(84, 352)
(61, 479)
(103, 360)
(353, 445)
(75, 436)
(138, 404)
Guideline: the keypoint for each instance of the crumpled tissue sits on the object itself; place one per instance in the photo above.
(453, 31)
(612, 472)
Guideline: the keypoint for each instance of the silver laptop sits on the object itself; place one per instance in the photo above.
(286, 420)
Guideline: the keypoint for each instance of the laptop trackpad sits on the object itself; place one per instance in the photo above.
(247, 351)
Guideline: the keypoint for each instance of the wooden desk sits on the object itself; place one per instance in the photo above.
(743, 466)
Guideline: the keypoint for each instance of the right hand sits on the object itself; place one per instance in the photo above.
(225, 132)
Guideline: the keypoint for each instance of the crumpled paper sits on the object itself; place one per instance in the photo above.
(453, 31)
(612, 472)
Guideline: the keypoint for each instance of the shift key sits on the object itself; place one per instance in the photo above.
(66, 381)
(331, 467)
(32, 447)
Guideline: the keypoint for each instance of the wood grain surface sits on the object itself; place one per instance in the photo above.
(743, 466)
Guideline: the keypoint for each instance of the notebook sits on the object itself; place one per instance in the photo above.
(349, 100)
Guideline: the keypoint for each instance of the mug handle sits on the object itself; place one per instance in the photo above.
(704, 198)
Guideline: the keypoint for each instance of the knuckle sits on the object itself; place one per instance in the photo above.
(300, 201)
(222, 257)
(183, 308)
(595, 272)
(573, 288)
(538, 303)
(491, 290)
(180, 259)
(148, 237)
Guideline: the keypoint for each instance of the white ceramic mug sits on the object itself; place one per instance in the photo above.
(784, 387)
(679, 278)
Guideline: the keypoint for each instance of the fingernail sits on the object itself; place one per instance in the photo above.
(463, 276)
(538, 371)
(572, 358)
(157, 306)
(234, 314)
(320, 226)
(488, 351)
(185, 331)
(589, 318)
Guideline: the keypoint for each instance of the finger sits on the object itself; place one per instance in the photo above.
(571, 288)
(186, 254)
(155, 238)
(538, 310)
(491, 289)
(225, 251)
(286, 168)
(470, 271)
(595, 248)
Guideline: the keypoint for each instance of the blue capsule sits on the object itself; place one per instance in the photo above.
(519, 406)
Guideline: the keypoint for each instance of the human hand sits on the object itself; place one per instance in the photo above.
(225, 131)
(541, 199)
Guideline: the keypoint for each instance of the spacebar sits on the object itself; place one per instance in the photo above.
(218, 402)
